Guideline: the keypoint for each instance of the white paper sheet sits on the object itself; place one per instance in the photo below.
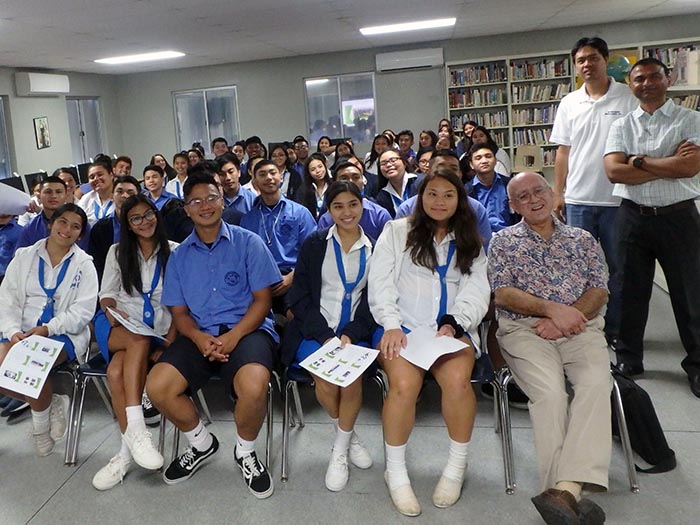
(339, 366)
(13, 201)
(135, 326)
(423, 348)
(28, 363)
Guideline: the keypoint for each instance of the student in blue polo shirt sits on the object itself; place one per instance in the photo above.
(282, 224)
(154, 182)
(405, 141)
(9, 235)
(52, 196)
(374, 217)
(235, 195)
(489, 187)
(218, 285)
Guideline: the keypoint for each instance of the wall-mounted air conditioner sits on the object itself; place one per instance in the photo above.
(41, 84)
(413, 59)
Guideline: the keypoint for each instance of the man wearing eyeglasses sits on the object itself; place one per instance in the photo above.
(301, 149)
(550, 285)
(218, 286)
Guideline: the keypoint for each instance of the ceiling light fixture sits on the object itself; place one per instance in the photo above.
(409, 26)
(142, 57)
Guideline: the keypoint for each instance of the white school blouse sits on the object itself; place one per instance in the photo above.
(132, 304)
(22, 299)
(404, 294)
(332, 290)
(104, 209)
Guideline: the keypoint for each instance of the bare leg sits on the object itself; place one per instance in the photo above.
(453, 374)
(166, 387)
(250, 385)
(399, 412)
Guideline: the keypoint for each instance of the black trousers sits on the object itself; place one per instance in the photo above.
(674, 240)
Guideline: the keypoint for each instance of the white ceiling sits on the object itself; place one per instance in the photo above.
(69, 34)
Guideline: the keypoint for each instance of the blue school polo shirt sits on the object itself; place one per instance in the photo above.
(38, 228)
(165, 196)
(217, 284)
(373, 219)
(9, 237)
(283, 228)
(495, 200)
(242, 202)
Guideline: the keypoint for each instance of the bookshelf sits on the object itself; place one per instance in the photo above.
(683, 58)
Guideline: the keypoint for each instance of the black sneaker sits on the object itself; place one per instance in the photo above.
(15, 406)
(187, 464)
(150, 413)
(255, 475)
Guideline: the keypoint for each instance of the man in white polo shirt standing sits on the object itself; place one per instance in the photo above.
(580, 128)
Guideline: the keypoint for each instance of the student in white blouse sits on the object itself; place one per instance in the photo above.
(97, 203)
(328, 298)
(50, 289)
(132, 285)
(429, 269)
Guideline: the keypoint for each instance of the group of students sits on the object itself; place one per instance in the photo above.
(330, 262)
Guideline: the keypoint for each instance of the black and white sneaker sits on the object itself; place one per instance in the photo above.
(150, 413)
(255, 475)
(183, 467)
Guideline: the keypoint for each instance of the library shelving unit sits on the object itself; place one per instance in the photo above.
(683, 57)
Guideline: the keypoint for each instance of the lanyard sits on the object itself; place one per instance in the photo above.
(398, 201)
(349, 287)
(271, 234)
(177, 189)
(442, 271)
(105, 212)
(148, 313)
(117, 228)
(47, 314)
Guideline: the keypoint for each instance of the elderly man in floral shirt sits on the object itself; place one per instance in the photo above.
(550, 284)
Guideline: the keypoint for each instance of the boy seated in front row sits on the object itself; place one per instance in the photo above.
(218, 285)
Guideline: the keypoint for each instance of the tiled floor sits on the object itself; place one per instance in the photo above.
(43, 491)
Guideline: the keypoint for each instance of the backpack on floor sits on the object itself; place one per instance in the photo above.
(646, 435)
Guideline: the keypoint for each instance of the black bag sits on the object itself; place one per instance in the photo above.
(646, 435)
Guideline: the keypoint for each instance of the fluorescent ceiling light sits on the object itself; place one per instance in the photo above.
(409, 26)
(143, 57)
(316, 81)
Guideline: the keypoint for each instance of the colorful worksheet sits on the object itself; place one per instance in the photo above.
(339, 366)
(27, 365)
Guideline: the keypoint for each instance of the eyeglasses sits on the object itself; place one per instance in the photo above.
(390, 160)
(424, 162)
(209, 199)
(524, 198)
(301, 146)
(137, 220)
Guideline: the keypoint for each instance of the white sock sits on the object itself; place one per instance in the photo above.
(396, 472)
(570, 486)
(335, 422)
(199, 437)
(342, 441)
(41, 421)
(134, 419)
(456, 461)
(244, 447)
(124, 452)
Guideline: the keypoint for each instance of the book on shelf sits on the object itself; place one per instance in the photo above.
(541, 69)
(477, 97)
(688, 101)
(478, 74)
(488, 119)
(536, 136)
(539, 92)
(669, 55)
(534, 116)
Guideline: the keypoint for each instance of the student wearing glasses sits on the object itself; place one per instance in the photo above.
(218, 286)
(132, 284)
(396, 185)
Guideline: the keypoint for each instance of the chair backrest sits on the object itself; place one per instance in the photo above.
(528, 157)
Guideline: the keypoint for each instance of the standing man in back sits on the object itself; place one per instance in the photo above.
(582, 191)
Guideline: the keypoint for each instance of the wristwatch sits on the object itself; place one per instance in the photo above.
(638, 162)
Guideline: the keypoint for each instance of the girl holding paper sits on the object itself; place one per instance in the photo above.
(50, 290)
(132, 285)
(429, 269)
(329, 299)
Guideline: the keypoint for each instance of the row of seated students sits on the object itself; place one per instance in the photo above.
(330, 266)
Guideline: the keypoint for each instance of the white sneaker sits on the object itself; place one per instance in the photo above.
(404, 498)
(447, 492)
(337, 473)
(43, 443)
(58, 416)
(112, 473)
(358, 453)
(142, 450)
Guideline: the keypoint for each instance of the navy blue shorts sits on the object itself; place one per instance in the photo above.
(183, 354)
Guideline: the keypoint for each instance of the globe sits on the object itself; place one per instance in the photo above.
(619, 67)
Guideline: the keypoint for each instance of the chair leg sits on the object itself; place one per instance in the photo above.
(176, 443)
(504, 377)
(297, 403)
(103, 389)
(205, 407)
(624, 437)
(161, 435)
(287, 421)
(268, 440)
(382, 381)
(75, 420)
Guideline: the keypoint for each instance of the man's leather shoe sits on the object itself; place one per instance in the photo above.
(629, 370)
(557, 507)
(590, 513)
(695, 384)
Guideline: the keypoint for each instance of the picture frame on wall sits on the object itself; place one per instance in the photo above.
(41, 132)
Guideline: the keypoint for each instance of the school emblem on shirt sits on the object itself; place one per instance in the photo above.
(76, 279)
(286, 229)
(232, 278)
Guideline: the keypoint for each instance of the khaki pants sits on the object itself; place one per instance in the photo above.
(573, 441)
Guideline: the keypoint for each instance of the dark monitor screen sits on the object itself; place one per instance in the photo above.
(83, 172)
(32, 178)
(15, 182)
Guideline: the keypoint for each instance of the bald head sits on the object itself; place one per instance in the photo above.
(524, 178)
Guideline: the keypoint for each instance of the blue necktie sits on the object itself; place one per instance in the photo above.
(442, 272)
(104, 214)
(346, 305)
(47, 314)
(148, 313)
